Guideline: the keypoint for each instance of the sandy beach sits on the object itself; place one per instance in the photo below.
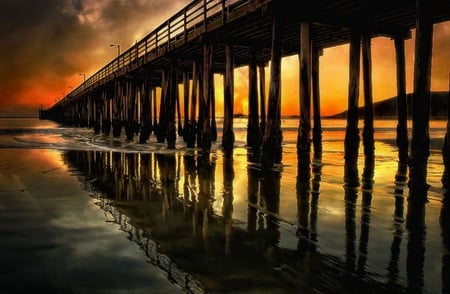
(81, 213)
(55, 239)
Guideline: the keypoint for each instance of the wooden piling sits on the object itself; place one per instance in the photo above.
(420, 140)
(446, 147)
(199, 127)
(262, 98)
(317, 128)
(253, 130)
(228, 96)
(351, 144)
(190, 130)
(213, 110)
(185, 104)
(116, 123)
(162, 125)
(171, 105)
(402, 113)
(154, 109)
(131, 118)
(368, 129)
(273, 137)
(304, 128)
(106, 118)
(179, 122)
(145, 110)
(206, 98)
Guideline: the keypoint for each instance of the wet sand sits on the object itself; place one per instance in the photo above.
(54, 239)
(92, 214)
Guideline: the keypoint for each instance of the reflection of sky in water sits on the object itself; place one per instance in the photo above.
(78, 226)
(55, 239)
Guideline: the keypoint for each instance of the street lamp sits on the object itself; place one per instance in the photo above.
(84, 76)
(118, 53)
(118, 48)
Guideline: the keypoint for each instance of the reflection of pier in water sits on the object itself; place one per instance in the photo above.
(168, 205)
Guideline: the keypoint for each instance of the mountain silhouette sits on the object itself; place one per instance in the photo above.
(388, 108)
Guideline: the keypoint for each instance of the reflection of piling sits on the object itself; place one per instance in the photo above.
(367, 186)
(351, 194)
(303, 198)
(415, 224)
(252, 195)
(445, 226)
(227, 207)
(271, 193)
(393, 267)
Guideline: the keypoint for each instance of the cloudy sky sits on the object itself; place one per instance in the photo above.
(46, 44)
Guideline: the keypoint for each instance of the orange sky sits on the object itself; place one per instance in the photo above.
(46, 44)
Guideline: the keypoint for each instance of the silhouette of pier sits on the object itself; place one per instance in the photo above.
(139, 90)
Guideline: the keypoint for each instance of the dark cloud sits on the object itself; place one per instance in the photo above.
(38, 40)
(43, 43)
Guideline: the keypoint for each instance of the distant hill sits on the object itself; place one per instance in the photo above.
(388, 108)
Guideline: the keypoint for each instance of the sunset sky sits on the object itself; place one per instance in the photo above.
(45, 45)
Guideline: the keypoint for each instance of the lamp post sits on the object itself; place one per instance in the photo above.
(118, 53)
(118, 48)
(84, 79)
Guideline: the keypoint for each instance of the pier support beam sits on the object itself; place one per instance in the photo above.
(131, 117)
(171, 104)
(228, 96)
(213, 109)
(185, 104)
(161, 130)
(368, 130)
(205, 98)
(116, 119)
(304, 128)
(351, 145)
(446, 147)
(402, 108)
(317, 130)
(253, 130)
(262, 97)
(146, 101)
(420, 141)
(190, 129)
(273, 135)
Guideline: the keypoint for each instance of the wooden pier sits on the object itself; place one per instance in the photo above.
(138, 91)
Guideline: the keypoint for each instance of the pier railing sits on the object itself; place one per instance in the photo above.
(189, 22)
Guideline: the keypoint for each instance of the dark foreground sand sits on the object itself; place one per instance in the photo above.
(54, 239)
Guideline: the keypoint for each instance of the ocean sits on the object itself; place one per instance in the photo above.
(86, 213)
